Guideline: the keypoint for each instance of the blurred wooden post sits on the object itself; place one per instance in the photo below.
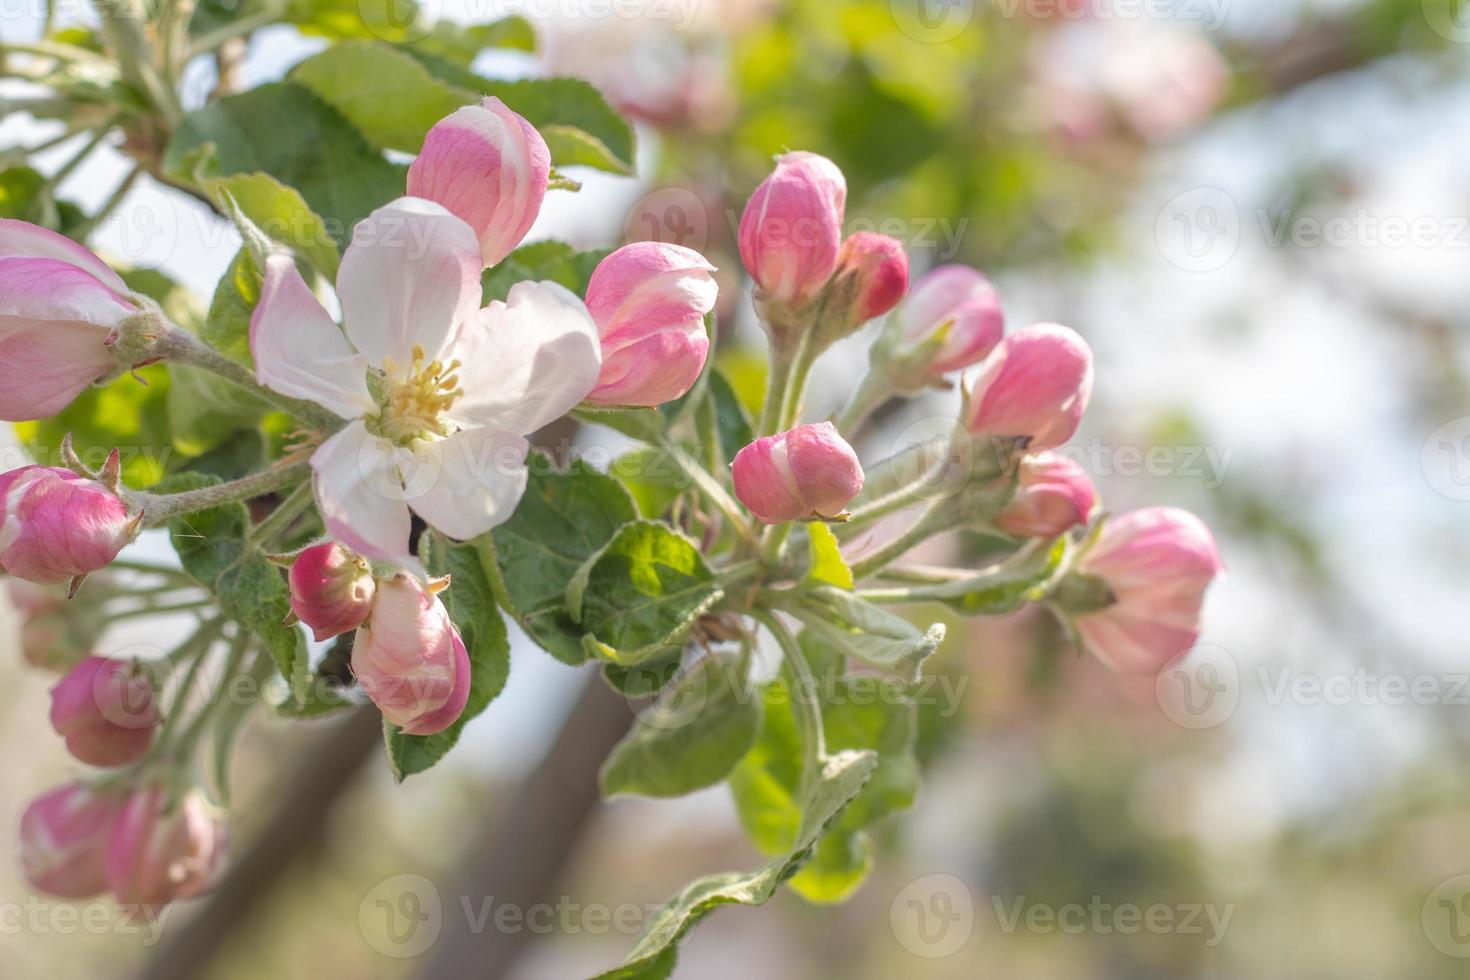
(292, 836)
(527, 850)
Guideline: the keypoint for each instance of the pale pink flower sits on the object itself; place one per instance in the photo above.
(649, 301)
(58, 303)
(809, 471)
(1054, 494)
(490, 168)
(165, 847)
(56, 525)
(63, 840)
(791, 230)
(1035, 385)
(440, 393)
(957, 308)
(1157, 563)
(880, 267)
(105, 710)
(331, 589)
(410, 659)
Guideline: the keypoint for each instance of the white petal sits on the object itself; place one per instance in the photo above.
(299, 351)
(528, 361)
(360, 493)
(411, 273)
(481, 479)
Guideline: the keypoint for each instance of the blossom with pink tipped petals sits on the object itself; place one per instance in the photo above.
(58, 303)
(63, 840)
(56, 525)
(809, 471)
(1157, 564)
(331, 589)
(410, 659)
(649, 301)
(490, 168)
(1054, 495)
(791, 230)
(105, 710)
(163, 848)
(1035, 386)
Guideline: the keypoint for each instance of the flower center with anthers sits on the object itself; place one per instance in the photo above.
(413, 400)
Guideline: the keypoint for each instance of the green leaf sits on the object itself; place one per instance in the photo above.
(227, 324)
(860, 629)
(641, 594)
(842, 777)
(691, 737)
(859, 712)
(129, 414)
(284, 130)
(281, 213)
(643, 424)
(644, 679)
(556, 261)
(730, 418)
(212, 548)
(392, 99)
(652, 477)
(575, 120)
(825, 565)
(470, 600)
(204, 412)
(563, 518)
(27, 194)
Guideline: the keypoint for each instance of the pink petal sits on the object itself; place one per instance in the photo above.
(25, 240)
(489, 167)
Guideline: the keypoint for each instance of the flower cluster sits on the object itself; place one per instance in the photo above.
(1134, 590)
(417, 404)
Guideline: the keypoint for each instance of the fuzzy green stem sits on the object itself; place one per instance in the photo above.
(706, 483)
(123, 27)
(871, 392)
(159, 509)
(182, 347)
(939, 516)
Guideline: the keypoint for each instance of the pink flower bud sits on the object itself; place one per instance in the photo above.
(958, 309)
(162, 849)
(649, 301)
(63, 841)
(55, 525)
(1035, 385)
(1054, 494)
(105, 710)
(410, 660)
(331, 589)
(1157, 564)
(792, 227)
(55, 634)
(807, 472)
(58, 303)
(489, 167)
(880, 268)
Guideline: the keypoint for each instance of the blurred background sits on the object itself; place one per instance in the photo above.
(1257, 213)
